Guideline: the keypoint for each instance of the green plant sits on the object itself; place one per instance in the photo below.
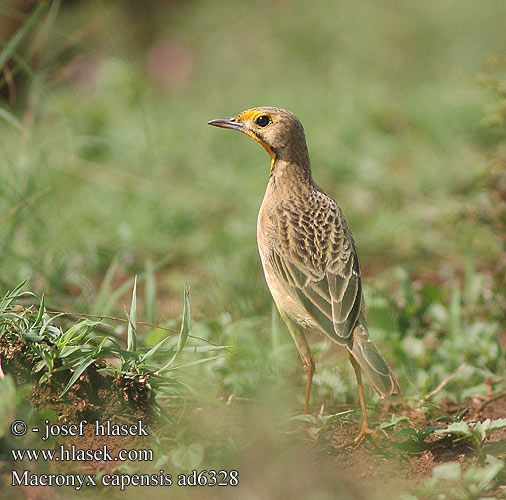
(74, 349)
(445, 417)
(101, 173)
(451, 482)
(416, 442)
(475, 435)
(394, 420)
(440, 343)
(320, 422)
(416, 438)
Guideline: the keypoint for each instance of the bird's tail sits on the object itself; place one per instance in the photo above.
(373, 364)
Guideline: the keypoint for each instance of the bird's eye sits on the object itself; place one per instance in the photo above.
(262, 121)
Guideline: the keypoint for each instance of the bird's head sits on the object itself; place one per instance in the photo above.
(277, 130)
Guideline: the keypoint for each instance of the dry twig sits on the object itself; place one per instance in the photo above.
(441, 385)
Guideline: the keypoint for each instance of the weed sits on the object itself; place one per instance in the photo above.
(394, 421)
(320, 421)
(442, 347)
(416, 442)
(474, 433)
(76, 348)
(416, 438)
(444, 415)
(450, 482)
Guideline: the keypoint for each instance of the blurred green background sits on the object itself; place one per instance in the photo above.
(108, 169)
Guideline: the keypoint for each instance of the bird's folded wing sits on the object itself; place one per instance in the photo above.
(331, 292)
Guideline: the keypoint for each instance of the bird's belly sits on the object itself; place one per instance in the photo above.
(286, 300)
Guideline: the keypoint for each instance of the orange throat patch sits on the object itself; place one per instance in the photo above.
(272, 154)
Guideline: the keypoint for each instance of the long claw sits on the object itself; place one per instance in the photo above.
(359, 440)
(366, 431)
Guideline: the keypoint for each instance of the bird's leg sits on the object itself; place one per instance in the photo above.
(305, 354)
(307, 361)
(309, 367)
(365, 422)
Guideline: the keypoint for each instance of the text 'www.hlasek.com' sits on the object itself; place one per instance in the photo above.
(63, 453)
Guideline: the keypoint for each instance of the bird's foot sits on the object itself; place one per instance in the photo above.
(357, 442)
(366, 431)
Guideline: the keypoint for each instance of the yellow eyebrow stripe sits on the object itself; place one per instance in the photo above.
(250, 114)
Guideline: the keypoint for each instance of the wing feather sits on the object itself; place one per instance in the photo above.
(320, 267)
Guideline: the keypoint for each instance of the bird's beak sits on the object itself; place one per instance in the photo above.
(227, 123)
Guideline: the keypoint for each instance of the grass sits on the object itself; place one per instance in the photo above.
(108, 172)
(52, 348)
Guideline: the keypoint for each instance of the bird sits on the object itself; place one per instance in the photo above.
(309, 256)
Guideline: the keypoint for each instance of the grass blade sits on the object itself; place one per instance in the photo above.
(454, 323)
(10, 296)
(191, 363)
(132, 321)
(124, 287)
(185, 330)
(79, 370)
(103, 302)
(42, 310)
(85, 363)
(152, 351)
(17, 38)
(9, 118)
(67, 336)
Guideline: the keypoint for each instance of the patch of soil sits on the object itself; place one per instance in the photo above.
(387, 467)
(94, 397)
